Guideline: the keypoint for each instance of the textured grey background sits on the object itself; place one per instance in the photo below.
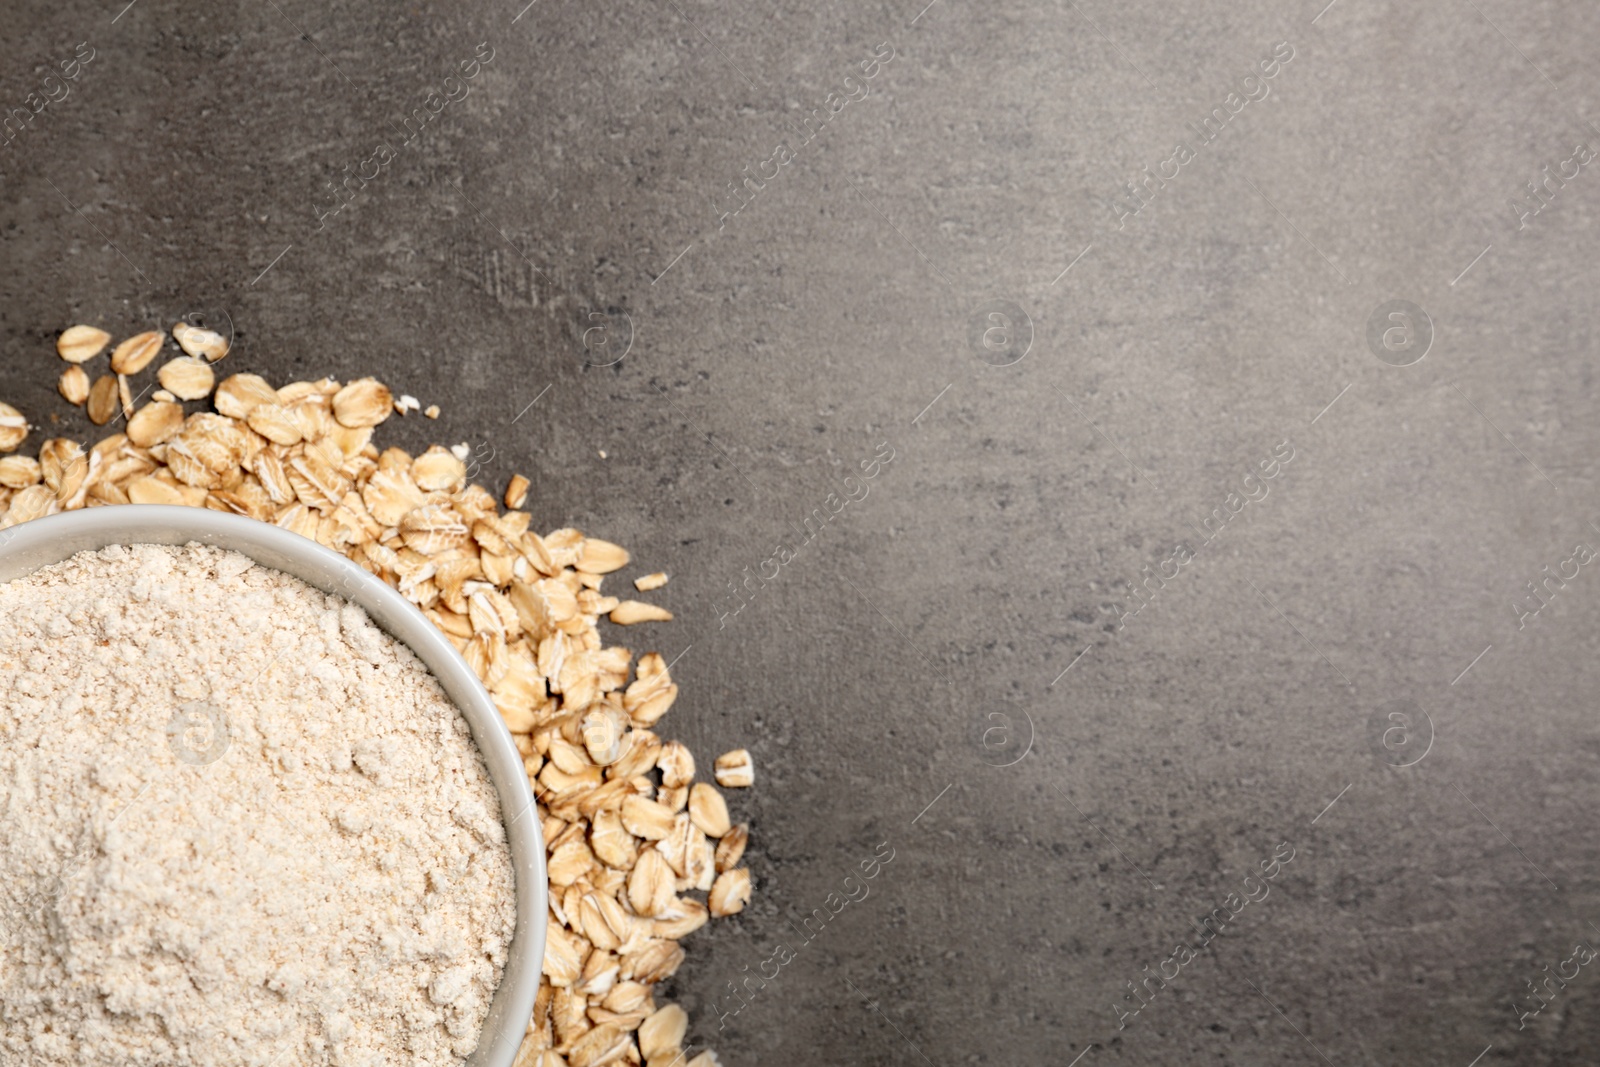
(921, 639)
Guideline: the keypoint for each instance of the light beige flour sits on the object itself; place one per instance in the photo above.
(239, 825)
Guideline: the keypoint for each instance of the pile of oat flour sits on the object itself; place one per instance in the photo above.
(239, 825)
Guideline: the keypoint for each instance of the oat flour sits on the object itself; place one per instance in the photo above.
(239, 825)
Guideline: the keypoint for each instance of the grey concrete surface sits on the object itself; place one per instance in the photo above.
(951, 669)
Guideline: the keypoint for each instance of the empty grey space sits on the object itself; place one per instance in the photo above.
(1365, 630)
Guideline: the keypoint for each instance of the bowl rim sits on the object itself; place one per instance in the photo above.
(28, 546)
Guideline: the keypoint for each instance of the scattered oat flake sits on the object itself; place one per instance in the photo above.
(438, 470)
(80, 343)
(135, 354)
(74, 385)
(102, 402)
(187, 378)
(634, 867)
(19, 472)
(366, 402)
(200, 342)
(155, 423)
(630, 612)
(13, 428)
(516, 492)
(735, 770)
(730, 893)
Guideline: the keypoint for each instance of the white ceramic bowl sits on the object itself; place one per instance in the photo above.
(28, 546)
